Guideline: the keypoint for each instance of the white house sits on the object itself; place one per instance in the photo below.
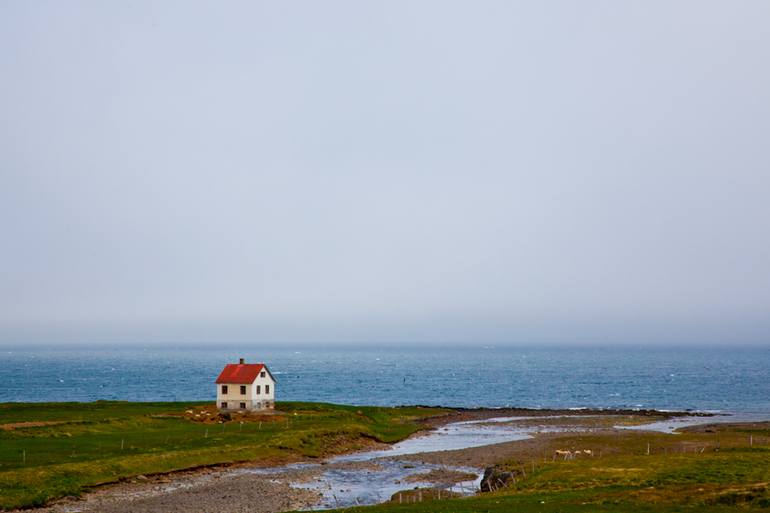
(245, 386)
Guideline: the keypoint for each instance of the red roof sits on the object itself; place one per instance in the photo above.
(240, 373)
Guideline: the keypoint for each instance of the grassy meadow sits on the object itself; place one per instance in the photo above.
(61, 449)
(50, 450)
(716, 470)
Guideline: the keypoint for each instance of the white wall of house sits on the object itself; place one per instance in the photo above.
(263, 389)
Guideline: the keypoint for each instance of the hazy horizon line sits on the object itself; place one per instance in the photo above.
(384, 345)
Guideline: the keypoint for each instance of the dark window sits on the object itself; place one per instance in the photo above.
(243, 406)
(224, 389)
(223, 405)
(258, 389)
(262, 374)
(243, 389)
(267, 389)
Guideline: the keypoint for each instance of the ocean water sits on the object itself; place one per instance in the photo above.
(708, 379)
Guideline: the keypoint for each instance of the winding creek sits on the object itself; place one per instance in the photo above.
(362, 478)
(372, 477)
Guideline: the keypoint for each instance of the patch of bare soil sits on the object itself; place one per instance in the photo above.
(465, 414)
(210, 414)
(540, 447)
(577, 422)
(210, 492)
(711, 428)
(21, 425)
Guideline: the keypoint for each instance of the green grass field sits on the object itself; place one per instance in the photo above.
(727, 475)
(78, 445)
(75, 446)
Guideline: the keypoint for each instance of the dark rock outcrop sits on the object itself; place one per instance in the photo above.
(495, 478)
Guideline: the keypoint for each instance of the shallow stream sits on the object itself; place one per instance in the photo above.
(348, 481)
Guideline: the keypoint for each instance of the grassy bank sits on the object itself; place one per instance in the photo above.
(50, 450)
(711, 469)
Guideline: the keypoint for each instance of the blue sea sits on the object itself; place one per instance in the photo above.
(707, 379)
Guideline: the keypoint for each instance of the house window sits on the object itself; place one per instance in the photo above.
(243, 406)
(259, 387)
(223, 405)
(267, 389)
(224, 389)
(262, 374)
(243, 389)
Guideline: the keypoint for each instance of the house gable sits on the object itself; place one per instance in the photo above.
(270, 374)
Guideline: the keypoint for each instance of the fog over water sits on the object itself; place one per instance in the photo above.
(383, 173)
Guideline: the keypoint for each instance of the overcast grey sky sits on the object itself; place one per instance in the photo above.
(385, 172)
